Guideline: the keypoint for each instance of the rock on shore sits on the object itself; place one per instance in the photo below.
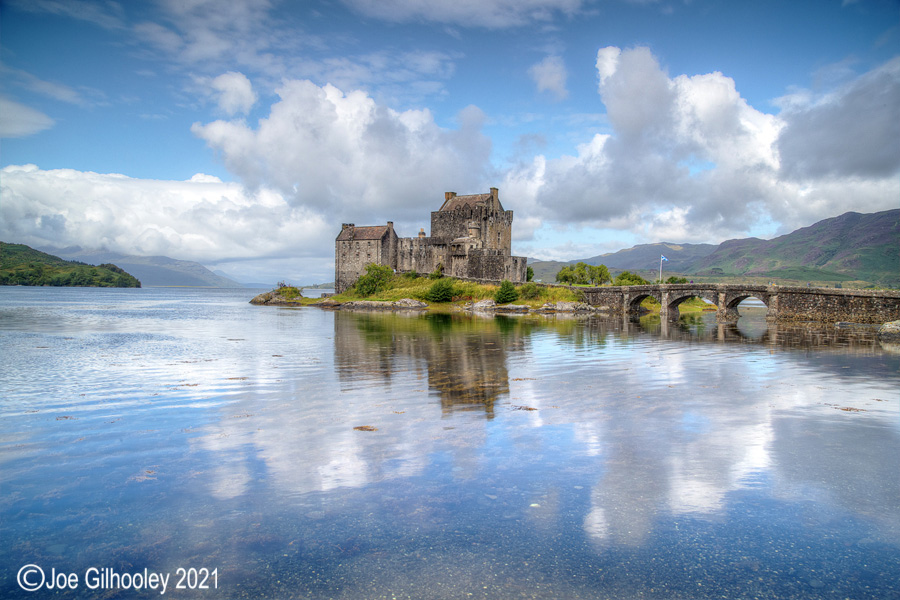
(890, 332)
(274, 298)
(557, 307)
(404, 304)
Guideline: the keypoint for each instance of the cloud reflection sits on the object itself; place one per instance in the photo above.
(665, 424)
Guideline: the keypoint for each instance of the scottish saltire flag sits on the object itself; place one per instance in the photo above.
(661, 257)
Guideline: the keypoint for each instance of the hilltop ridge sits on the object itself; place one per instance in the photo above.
(859, 247)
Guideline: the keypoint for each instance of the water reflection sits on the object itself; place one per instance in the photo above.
(754, 329)
(463, 358)
(502, 457)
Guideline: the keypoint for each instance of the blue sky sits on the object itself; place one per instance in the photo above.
(241, 134)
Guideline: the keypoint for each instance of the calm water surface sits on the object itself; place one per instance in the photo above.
(522, 457)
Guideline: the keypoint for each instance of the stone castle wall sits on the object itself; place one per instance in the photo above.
(495, 226)
(352, 256)
(471, 237)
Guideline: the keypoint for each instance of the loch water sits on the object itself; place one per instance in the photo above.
(303, 453)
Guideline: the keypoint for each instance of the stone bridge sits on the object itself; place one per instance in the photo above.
(783, 303)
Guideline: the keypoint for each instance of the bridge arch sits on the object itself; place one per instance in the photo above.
(675, 299)
(729, 301)
(783, 303)
(633, 300)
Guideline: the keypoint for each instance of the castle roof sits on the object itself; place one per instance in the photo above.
(457, 202)
(375, 232)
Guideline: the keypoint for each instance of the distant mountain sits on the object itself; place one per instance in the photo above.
(647, 256)
(852, 246)
(546, 270)
(23, 265)
(153, 271)
(643, 257)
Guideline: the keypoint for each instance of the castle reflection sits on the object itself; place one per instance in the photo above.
(462, 358)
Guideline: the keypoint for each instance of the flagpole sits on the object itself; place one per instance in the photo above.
(659, 281)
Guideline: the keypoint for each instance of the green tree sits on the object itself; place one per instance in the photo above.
(581, 273)
(629, 278)
(674, 279)
(529, 274)
(375, 280)
(599, 274)
(565, 275)
(507, 293)
(440, 291)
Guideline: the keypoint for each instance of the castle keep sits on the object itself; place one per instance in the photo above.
(470, 237)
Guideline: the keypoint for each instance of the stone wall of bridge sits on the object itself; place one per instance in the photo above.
(783, 303)
(833, 305)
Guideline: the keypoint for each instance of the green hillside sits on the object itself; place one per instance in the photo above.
(22, 265)
(851, 247)
(859, 249)
(546, 270)
(646, 256)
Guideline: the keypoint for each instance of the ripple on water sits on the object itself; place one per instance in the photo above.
(359, 455)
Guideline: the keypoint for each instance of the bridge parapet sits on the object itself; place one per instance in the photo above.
(783, 303)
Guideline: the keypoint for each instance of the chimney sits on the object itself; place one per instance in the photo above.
(448, 195)
(390, 224)
(495, 194)
(346, 225)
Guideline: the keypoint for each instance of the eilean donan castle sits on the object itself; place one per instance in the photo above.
(470, 238)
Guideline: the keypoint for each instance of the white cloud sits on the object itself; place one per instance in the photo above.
(210, 35)
(18, 120)
(201, 219)
(550, 76)
(319, 158)
(468, 13)
(233, 92)
(688, 156)
(346, 155)
(607, 61)
(853, 131)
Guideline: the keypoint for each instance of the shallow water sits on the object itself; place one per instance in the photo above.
(507, 457)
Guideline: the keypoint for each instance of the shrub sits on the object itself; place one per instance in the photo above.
(530, 291)
(529, 274)
(583, 274)
(375, 280)
(440, 291)
(290, 292)
(674, 279)
(506, 293)
(438, 272)
(629, 278)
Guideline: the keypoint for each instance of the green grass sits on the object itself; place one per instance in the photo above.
(403, 286)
